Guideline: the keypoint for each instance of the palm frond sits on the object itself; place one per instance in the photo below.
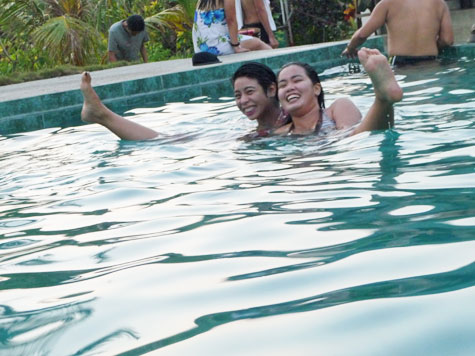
(189, 7)
(67, 39)
(174, 18)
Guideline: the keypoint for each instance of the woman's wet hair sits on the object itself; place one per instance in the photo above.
(258, 71)
(312, 74)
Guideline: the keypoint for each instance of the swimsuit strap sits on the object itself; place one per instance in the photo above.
(283, 119)
(317, 126)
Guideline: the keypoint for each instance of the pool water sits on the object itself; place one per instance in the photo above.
(199, 243)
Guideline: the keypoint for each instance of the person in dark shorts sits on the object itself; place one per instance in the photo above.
(256, 14)
(418, 29)
(405, 60)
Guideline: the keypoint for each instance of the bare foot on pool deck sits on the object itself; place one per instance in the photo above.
(386, 87)
(93, 110)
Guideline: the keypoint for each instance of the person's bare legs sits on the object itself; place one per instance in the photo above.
(254, 44)
(386, 89)
(94, 111)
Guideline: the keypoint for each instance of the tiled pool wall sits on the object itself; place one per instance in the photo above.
(63, 109)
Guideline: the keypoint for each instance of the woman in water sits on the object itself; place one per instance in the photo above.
(301, 95)
(215, 29)
(255, 89)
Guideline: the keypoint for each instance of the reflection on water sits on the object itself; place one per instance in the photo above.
(200, 243)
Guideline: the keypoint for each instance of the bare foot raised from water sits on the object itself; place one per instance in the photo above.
(93, 111)
(386, 87)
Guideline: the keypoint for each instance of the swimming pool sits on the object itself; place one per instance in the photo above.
(200, 243)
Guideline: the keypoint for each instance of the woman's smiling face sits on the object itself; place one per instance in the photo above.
(296, 91)
(251, 98)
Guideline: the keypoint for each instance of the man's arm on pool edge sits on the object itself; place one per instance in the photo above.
(446, 33)
(376, 20)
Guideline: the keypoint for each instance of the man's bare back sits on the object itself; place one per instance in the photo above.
(415, 27)
(249, 12)
(254, 12)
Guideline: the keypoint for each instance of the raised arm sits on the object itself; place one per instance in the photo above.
(264, 20)
(143, 52)
(112, 47)
(230, 13)
(446, 33)
(376, 20)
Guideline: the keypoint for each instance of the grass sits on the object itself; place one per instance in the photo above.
(59, 71)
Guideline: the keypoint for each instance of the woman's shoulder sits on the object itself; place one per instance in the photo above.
(344, 113)
(283, 130)
(339, 103)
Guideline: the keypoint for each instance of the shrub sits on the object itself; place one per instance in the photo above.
(316, 21)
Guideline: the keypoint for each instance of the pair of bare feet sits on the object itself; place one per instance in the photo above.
(376, 65)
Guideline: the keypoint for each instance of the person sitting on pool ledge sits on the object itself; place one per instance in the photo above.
(300, 94)
(255, 88)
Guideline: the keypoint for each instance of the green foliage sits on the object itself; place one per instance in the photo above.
(40, 34)
(316, 21)
(281, 37)
(57, 71)
(172, 27)
(67, 40)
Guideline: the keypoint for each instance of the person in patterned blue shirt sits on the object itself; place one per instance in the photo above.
(215, 30)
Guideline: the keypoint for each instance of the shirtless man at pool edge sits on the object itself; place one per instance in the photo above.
(417, 29)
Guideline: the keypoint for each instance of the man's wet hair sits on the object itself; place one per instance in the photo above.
(135, 23)
(312, 74)
(258, 71)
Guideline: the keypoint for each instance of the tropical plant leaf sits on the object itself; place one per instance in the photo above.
(67, 39)
(174, 18)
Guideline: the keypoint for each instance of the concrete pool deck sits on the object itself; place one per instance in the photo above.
(133, 72)
(57, 102)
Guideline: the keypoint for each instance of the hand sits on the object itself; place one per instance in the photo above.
(273, 42)
(350, 52)
(239, 49)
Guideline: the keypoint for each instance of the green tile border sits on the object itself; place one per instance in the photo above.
(63, 109)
